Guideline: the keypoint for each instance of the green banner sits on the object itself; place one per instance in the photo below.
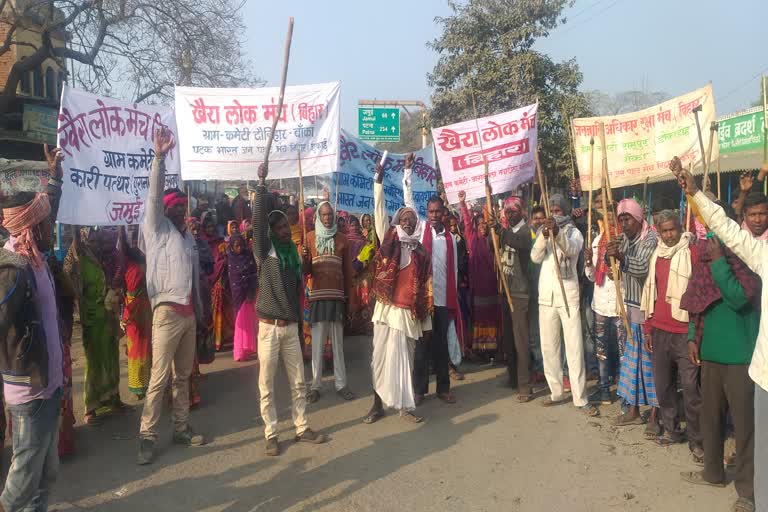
(741, 133)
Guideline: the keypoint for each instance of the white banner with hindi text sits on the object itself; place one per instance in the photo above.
(108, 148)
(508, 142)
(224, 132)
(641, 144)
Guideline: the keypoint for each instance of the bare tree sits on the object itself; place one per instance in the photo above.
(604, 104)
(134, 49)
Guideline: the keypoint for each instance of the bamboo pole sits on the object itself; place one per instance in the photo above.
(688, 203)
(718, 175)
(568, 129)
(591, 186)
(281, 98)
(545, 197)
(708, 163)
(608, 196)
(286, 58)
(765, 131)
(301, 203)
(489, 206)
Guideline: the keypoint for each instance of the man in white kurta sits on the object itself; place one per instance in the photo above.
(552, 312)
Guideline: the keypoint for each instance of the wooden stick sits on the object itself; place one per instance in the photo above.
(568, 129)
(286, 57)
(301, 203)
(718, 175)
(591, 186)
(712, 133)
(608, 196)
(765, 131)
(701, 142)
(188, 202)
(545, 196)
(645, 192)
(688, 203)
(489, 206)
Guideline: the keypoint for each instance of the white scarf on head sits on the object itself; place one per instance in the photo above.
(407, 242)
(679, 273)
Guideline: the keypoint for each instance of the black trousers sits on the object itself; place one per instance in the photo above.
(728, 387)
(671, 350)
(434, 348)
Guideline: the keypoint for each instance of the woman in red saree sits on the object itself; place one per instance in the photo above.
(137, 317)
(483, 288)
(362, 251)
(221, 301)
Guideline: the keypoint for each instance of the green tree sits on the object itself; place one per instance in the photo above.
(487, 45)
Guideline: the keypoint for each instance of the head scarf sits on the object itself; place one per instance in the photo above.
(324, 237)
(286, 251)
(407, 242)
(514, 203)
(174, 198)
(309, 221)
(19, 222)
(242, 272)
(633, 208)
(231, 227)
(559, 200)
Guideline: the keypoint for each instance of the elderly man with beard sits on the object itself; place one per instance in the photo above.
(632, 249)
(403, 302)
(666, 332)
(327, 259)
(552, 313)
(516, 241)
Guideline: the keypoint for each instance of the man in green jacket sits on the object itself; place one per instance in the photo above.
(722, 299)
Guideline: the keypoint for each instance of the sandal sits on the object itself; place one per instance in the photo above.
(373, 416)
(744, 505)
(626, 419)
(548, 402)
(92, 419)
(313, 396)
(652, 431)
(591, 411)
(525, 397)
(455, 374)
(410, 417)
(346, 394)
(668, 439)
(697, 453)
(695, 477)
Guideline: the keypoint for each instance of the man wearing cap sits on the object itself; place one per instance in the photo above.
(173, 274)
(552, 307)
(31, 360)
(516, 246)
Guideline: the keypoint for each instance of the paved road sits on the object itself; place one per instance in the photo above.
(485, 453)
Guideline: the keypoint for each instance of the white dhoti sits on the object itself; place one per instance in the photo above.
(395, 332)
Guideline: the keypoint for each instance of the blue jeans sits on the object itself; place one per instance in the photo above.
(761, 449)
(35, 462)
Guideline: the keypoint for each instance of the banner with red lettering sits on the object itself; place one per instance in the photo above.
(508, 142)
(224, 132)
(641, 144)
(108, 147)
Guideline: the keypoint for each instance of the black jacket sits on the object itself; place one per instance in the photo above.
(24, 355)
(24, 350)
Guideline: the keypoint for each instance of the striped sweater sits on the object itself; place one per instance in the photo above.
(635, 265)
(279, 288)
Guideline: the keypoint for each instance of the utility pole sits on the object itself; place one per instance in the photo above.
(403, 103)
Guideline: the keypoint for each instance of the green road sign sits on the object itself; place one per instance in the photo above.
(379, 124)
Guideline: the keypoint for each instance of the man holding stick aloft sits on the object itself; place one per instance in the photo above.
(754, 253)
(552, 308)
(279, 308)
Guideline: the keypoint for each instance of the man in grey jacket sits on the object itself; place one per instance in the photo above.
(172, 276)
